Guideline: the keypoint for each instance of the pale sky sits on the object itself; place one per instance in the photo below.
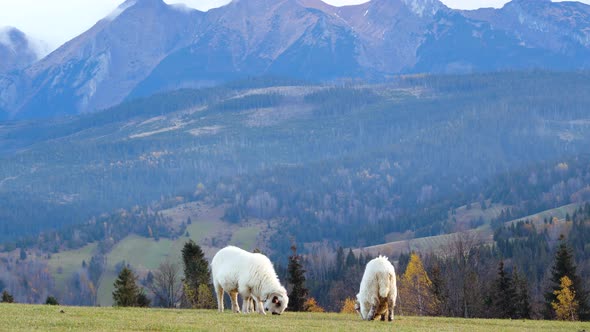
(57, 21)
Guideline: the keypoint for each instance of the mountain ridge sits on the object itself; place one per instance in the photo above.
(147, 46)
(16, 50)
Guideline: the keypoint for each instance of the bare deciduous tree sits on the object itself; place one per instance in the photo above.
(166, 286)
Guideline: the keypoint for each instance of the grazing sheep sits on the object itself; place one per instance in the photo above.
(252, 276)
(378, 290)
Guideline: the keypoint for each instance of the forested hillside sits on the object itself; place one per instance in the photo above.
(318, 166)
(323, 159)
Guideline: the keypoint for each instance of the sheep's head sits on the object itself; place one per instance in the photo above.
(276, 303)
(361, 308)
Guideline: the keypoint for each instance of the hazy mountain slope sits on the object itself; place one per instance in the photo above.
(100, 67)
(252, 38)
(456, 44)
(562, 29)
(16, 50)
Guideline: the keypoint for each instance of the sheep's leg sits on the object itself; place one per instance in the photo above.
(390, 307)
(246, 299)
(235, 307)
(382, 317)
(219, 293)
(259, 306)
(246, 304)
(372, 313)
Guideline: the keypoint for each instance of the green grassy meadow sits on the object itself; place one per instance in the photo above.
(146, 253)
(19, 317)
(64, 263)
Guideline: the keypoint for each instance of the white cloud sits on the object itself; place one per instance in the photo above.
(121, 8)
(57, 21)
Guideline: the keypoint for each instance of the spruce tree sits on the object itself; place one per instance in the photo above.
(522, 303)
(504, 294)
(6, 297)
(296, 279)
(143, 300)
(196, 271)
(351, 259)
(564, 265)
(126, 291)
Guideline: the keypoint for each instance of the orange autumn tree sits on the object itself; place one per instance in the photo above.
(311, 305)
(416, 291)
(348, 306)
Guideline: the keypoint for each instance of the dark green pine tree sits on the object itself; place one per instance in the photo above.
(6, 297)
(564, 265)
(51, 300)
(126, 290)
(196, 271)
(296, 279)
(143, 300)
(351, 259)
(522, 304)
(504, 294)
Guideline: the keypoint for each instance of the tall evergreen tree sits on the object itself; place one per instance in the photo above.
(504, 294)
(522, 303)
(126, 290)
(196, 272)
(564, 265)
(351, 259)
(296, 279)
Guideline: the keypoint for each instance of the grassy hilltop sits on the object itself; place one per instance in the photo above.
(18, 317)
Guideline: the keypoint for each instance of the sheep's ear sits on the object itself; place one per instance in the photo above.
(275, 299)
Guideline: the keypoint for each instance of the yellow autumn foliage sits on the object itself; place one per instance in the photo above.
(416, 291)
(348, 306)
(566, 306)
(311, 305)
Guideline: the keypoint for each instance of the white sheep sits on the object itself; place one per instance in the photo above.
(252, 276)
(378, 290)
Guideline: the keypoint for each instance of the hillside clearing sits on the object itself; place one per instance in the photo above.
(483, 234)
(18, 317)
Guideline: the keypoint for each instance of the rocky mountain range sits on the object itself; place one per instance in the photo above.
(146, 46)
